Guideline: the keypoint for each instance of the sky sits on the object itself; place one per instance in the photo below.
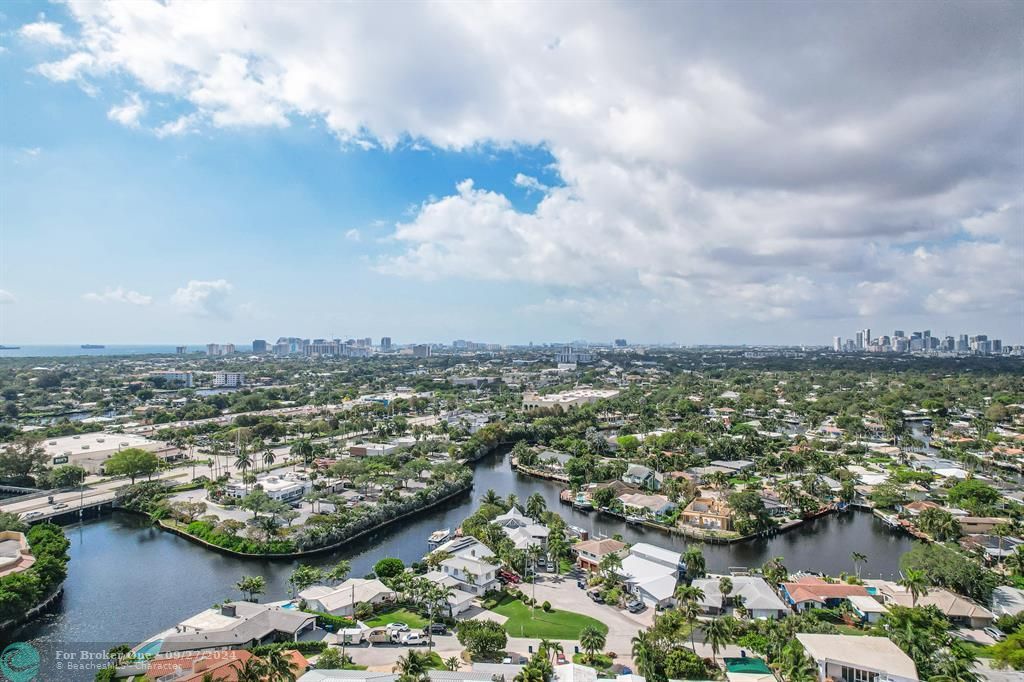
(185, 172)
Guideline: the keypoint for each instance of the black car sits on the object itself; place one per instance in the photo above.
(436, 629)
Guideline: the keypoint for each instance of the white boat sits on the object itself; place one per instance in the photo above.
(634, 519)
(439, 537)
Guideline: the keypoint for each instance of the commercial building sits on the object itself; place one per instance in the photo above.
(228, 379)
(372, 449)
(385, 344)
(287, 488)
(260, 346)
(218, 349)
(858, 659)
(171, 378)
(91, 450)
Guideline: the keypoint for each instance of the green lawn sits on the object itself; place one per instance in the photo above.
(413, 620)
(551, 624)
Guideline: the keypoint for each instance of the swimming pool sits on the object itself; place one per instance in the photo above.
(149, 648)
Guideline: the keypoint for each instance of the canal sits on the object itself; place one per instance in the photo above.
(128, 580)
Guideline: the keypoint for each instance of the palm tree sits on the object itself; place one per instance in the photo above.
(252, 585)
(269, 458)
(453, 663)
(725, 587)
(535, 506)
(412, 666)
(491, 497)
(280, 667)
(340, 571)
(512, 501)
(243, 461)
(857, 558)
(696, 567)
(253, 670)
(689, 598)
(592, 640)
(916, 582)
(645, 655)
(718, 633)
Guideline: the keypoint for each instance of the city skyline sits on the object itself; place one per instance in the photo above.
(504, 174)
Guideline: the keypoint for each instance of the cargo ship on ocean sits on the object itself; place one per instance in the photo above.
(92, 346)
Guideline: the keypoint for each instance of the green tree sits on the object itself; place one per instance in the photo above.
(695, 564)
(252, 585)
(388, 567)
(535, 506)
(340, 571)
(329, 659)
(646, 656)
(304, 576)
(592, 640)
(915, 582)
(1010, 652)
(718, 633)
(131, 462)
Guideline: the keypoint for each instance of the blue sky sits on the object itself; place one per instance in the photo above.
(231, 186)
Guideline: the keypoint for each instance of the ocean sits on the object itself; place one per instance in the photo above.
(53, 351)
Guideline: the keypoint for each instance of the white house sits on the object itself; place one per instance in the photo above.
(858, 659)
(651, 573)
(341, 600)
(758, 597)
(285, 488)
(470, 564)
(522, 530)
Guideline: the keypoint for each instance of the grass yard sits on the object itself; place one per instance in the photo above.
(553, 624)
(413, 620)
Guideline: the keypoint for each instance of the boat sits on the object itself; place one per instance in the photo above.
(439, 537)
(10, 347)
(634, 519)
(92, 346)
(582, 503)
(578, 532)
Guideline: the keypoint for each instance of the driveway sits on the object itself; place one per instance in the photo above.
(382, 657)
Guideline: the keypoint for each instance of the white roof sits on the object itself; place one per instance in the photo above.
(572, 672)
(866, 604)
(655, 552)
(352, 591)
(755, 592)
(868, 653)
(1007, 601)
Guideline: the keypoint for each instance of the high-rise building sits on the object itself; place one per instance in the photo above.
(837, 343)
(181, 350)
(867, 337)
(859, 343)
(620, 343)
(259, 346)
(228, 379)
(385, 343)
(898, 333)
(421, 350)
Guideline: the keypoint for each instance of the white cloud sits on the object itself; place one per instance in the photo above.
(7, 298)
(45, 32)
(182, 125)
(129, 112)
(706, 156)
(203, 298)
(118, 295)
(353, 235)
(529, 182)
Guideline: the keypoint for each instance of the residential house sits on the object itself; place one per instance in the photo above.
(341, 600)
(707, 512)
(471, 563)
(643, 505)
(995, 547)
(459, 600)
(589, 553)
(959, 610)
(222, 666)
(971, 525)
(737, 466)
(843, 658)
(914, 509)
(239, 624)
(522, 530)
(868, 609)
(758, 597)
(810, 592)
(644, 477)
(651, 573)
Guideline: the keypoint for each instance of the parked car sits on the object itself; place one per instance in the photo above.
(510, 576)
(636, 606)
(561, 658)
(581, 584)
(414, 638)
(399, 626)
(995, 633)
(379, 636)
(596, 596)
(437, 629)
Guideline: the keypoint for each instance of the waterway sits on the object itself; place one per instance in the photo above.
(127, 580)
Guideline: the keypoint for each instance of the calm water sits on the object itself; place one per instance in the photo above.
(129, 581)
